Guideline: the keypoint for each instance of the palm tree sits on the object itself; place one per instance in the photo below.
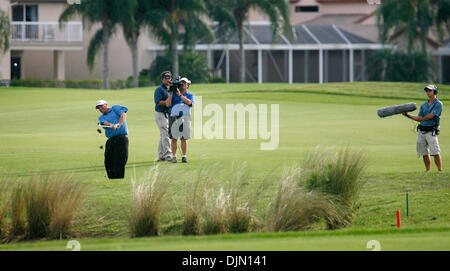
(174, 16)
(276, 10)
(5, 31)
(132, 25)
(416, 16)
(108, 14)
(441, 16)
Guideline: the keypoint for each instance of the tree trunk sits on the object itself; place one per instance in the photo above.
(105, 57)
(422, 28)
(241, 51)
(174, 41)
(174, 45)
(135, 59)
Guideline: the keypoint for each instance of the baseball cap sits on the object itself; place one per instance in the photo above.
(430, 87)
(166, 73)
(185, 80)
(100, 102)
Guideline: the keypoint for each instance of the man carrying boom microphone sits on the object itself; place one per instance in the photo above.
(428, 129)
(114, 121)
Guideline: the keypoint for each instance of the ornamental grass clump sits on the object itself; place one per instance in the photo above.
(148, 202)
(229, 209)
(293, 208)
(51, 204)
(195, 200)
(338, 175)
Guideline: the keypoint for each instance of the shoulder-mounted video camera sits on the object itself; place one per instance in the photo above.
(175, 84)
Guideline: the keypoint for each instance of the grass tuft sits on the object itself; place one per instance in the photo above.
(18, 202)
(338, 175)
(51, 205)
(294, 208)
(147, 202)
(195, 201)
(4, 206)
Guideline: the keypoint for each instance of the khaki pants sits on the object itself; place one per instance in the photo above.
(164, 150)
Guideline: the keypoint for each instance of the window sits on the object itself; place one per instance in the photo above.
(17, 13)
(307, 9)
(22, 13)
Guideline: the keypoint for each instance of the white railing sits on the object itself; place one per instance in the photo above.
(46, 32)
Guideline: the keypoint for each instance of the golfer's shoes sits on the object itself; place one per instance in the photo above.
(184, 160)
(173, 160)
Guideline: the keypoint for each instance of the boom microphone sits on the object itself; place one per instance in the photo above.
(396, 109)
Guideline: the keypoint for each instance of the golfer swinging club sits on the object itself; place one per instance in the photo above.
(428, 129)
(113, 120)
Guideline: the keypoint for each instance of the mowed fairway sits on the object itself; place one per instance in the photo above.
(54, 131)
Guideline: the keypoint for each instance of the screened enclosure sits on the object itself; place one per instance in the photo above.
(310, 54)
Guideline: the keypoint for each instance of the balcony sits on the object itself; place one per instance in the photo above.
(46, 34)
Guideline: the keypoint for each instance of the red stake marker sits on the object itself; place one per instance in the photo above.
(399, 223)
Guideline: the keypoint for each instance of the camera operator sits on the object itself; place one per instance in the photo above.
(180, 102)
(162, 116)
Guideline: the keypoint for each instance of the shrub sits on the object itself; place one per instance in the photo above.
(398, 66)
(218, 80)
(147, 202)
(87, 84)
(338, 175)
(192, 65)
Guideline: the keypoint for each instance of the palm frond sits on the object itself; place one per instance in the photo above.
(94, 46)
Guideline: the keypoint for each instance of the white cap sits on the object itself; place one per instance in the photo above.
(185, 80)
(100, 102)
(431, 87)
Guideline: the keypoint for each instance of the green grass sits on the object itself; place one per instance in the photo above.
(54, 130)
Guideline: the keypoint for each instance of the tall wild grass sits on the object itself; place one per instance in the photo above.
(4, 206)
(51, 205)
(196, 198)
(229, 209)
(43, 207)
(147, 202)
(337, 174)
(293, 208)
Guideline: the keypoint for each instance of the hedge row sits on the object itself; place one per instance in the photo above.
(90, 84)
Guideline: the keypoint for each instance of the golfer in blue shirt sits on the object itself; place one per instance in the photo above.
(114, 121)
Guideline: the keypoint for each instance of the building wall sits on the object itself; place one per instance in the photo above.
(49, 12)
(120, 62)
(39, 63)
(329, 8)
(5, 58)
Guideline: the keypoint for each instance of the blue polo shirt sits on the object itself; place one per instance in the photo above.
(435, 107)
(113, 116)
(161, 94)
(179, 108)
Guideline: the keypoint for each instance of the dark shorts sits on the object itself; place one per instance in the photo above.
(180, 127)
